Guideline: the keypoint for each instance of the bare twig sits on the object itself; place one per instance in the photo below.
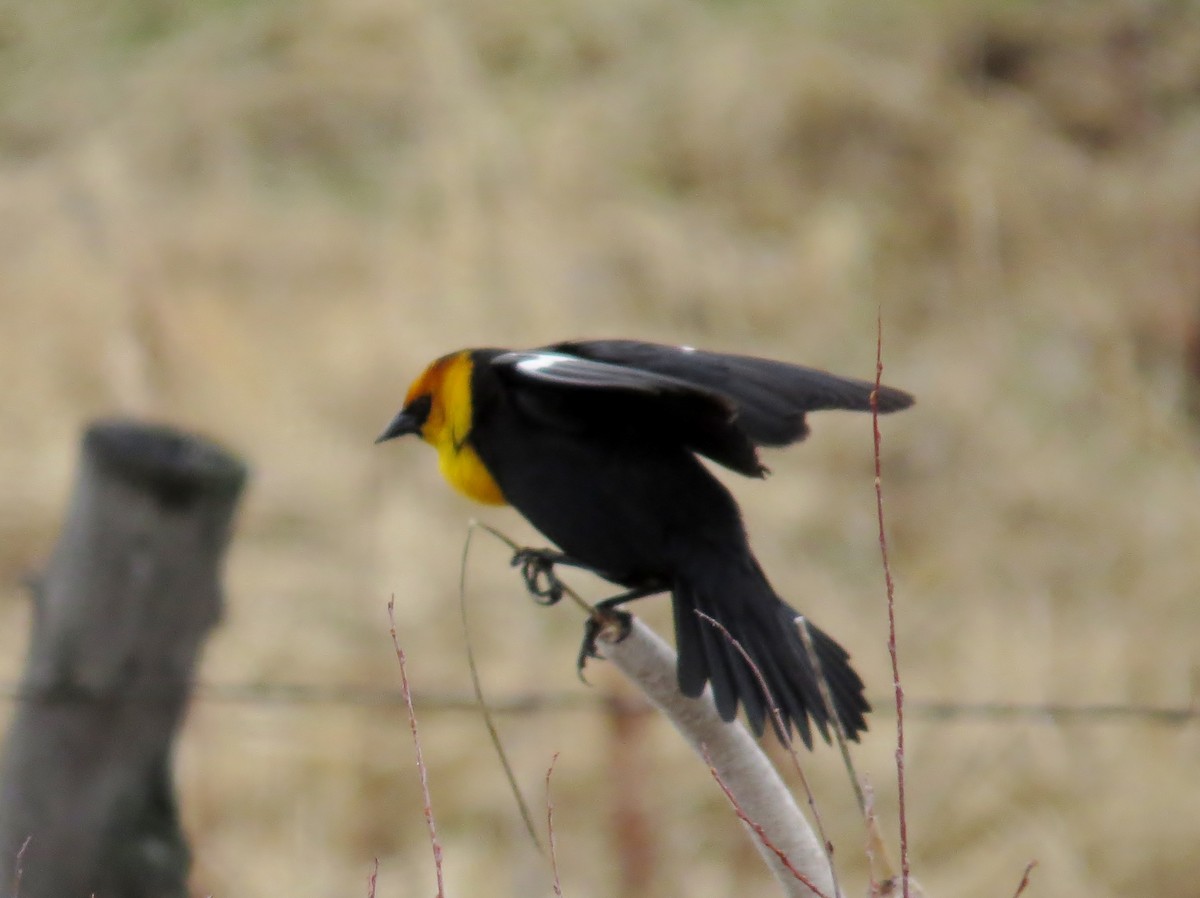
(650, 664)
(550, 827)
(891, 605)
(20, 867)
(787, 743)
(484, 710)
(567, 591)
(421, 769)
(372, 879)
(1024, 884)
(757, 829)
(839, 731)
(879, 859)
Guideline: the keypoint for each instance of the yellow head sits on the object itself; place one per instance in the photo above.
(438, 407)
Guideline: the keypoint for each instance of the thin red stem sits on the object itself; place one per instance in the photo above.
(421, 769)
(550, 827)
(758, 830)
(891, 606)
(1024, 884)
(371, 880)
(787, 743)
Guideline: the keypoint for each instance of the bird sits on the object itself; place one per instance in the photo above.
(598, 444)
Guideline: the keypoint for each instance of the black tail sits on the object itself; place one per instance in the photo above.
(740, 599)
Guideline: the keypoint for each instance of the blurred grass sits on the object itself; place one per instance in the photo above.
(260, 219)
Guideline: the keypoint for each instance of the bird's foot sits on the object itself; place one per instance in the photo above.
(611, 623)
(537, 570)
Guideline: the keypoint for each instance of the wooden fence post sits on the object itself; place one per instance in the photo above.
(131, 591)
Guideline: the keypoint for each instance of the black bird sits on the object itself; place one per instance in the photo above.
(596, 444)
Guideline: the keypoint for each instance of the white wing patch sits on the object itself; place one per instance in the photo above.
(566, 370)
(542, 361)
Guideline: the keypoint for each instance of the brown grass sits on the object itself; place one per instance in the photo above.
(259, 219)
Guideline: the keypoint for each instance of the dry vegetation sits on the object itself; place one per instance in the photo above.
(259, 219)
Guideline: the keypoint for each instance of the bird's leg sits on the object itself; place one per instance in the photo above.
(537, 570)
(607, 614)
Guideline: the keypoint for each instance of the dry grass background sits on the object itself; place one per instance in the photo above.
(259, 219)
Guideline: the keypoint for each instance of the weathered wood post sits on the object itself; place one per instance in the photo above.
(131, 591)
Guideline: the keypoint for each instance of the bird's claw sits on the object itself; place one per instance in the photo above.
(537, 570)
(612, 623)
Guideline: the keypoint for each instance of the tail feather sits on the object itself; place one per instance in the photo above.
(730, 674)
(767, 630)
(845, 685)
(692, 666)
(721, 668)
(787, 695)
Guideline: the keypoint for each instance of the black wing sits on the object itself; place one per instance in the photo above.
(771, 398)
(574, 393)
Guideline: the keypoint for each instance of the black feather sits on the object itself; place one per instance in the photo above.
(771, 398)
(586, 397)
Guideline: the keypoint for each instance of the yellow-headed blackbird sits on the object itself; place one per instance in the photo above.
(596, 444)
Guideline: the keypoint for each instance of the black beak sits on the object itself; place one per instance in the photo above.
(402, 424)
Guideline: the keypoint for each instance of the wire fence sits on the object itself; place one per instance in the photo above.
(358, 696)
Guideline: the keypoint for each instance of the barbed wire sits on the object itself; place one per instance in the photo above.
(358, 696)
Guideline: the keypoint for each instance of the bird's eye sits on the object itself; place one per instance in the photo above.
(419, 408)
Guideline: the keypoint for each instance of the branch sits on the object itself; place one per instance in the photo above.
(422, 770)
(905, 878)
(736, 759)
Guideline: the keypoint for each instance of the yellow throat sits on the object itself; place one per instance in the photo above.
(448, 427)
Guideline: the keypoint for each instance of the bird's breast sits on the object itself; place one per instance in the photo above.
(465, 471)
